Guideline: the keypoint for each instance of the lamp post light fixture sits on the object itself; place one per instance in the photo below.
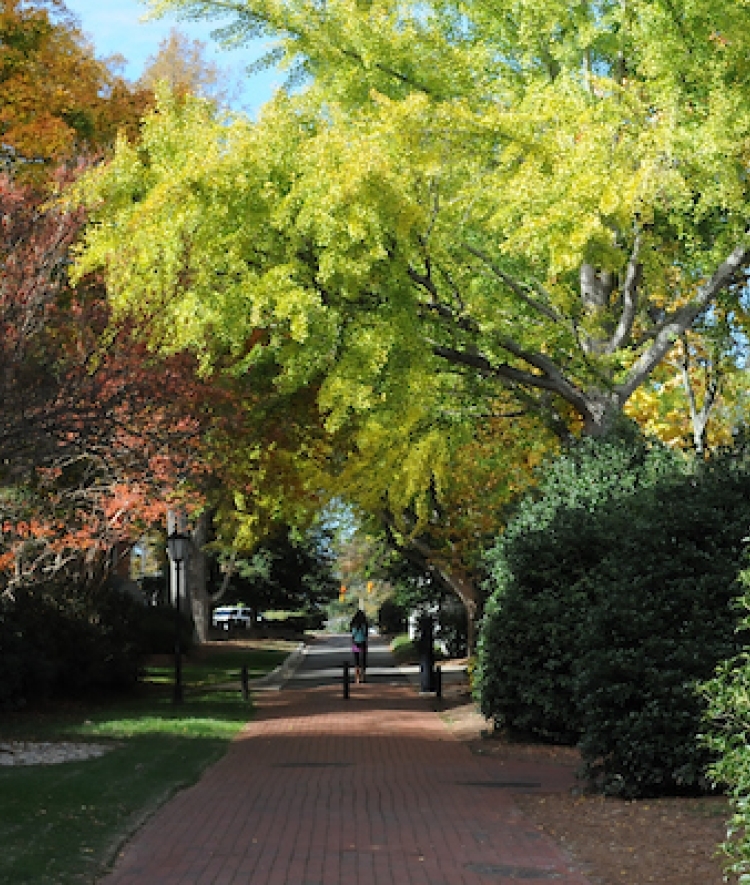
(178, 547)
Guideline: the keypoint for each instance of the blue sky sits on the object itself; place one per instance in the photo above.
(116, 26)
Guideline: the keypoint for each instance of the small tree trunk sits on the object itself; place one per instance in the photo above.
(699, 416)
(467, 593)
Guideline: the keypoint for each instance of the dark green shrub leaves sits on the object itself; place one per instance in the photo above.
(612, 598)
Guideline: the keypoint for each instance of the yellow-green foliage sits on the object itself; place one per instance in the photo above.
(360, 223)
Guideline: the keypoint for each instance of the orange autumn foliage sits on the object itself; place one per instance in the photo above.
(57, 100)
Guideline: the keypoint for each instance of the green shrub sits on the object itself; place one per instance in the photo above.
(155, 589)
(156, 630)
(727, 737)
(391, 617)
(531, 632)
(404, 649)
(453, 628)
(612, 598)
(664, 618)
(63, 641)
(290, 623)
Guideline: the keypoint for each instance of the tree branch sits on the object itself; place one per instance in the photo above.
(550, 379)
(681, 320)
(629, 299)
(517, 288)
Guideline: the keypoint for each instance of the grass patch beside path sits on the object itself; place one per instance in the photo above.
(219, 663)
(62, 824)
(404, 650)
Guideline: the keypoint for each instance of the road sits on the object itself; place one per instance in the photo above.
(324, 658)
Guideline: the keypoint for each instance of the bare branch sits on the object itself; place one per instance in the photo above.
(680, 320)
(424, 280)
(552, 381)
(629, 299)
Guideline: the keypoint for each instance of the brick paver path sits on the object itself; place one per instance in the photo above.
(372, 790)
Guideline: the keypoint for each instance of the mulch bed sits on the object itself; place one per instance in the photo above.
(669, 841)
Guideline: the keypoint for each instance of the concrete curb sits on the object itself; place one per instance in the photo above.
(274, 680)
(451, 673)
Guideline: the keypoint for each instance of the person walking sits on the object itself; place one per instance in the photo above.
(359, 628)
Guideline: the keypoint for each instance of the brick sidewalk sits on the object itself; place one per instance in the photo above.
(318, 790)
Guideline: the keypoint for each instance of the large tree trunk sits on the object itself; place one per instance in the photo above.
(603, 410)
(200, 603)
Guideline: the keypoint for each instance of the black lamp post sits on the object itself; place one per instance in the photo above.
(177, 546)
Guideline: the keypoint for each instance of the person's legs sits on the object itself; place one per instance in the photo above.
(357, 663)
(363, 656)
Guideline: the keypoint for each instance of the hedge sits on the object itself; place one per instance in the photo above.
(612, 598)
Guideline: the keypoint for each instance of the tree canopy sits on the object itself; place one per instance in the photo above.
(454, 216)
(543, 199)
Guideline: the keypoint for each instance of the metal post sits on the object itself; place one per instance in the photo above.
(245, 683)
(346, 681)
(177, 548)
(178, 695)
(427, 654)
(438, 682)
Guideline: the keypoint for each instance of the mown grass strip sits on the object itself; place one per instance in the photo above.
(62, 824)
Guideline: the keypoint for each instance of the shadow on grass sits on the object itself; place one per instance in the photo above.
(64, 823)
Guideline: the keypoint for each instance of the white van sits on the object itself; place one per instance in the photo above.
(228, 616)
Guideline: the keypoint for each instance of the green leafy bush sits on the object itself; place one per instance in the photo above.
(612, 599)
(453, 628)
(727, 737)
(292, 624)
(531, 632)
(391, 617)
(663, 619)
(63, 641)
(404, 649)
(156, 630)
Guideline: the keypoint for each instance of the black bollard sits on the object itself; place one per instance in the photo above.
(438, 682)
(346, 681)
(426, 655)
(245, 683)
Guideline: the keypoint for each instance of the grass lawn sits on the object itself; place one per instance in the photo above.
(62, 824)
(406, 651)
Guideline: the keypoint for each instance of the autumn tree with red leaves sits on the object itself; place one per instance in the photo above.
(92, 437)
(97, 434)
(63, 398)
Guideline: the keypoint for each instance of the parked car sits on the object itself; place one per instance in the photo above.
(228, 616)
